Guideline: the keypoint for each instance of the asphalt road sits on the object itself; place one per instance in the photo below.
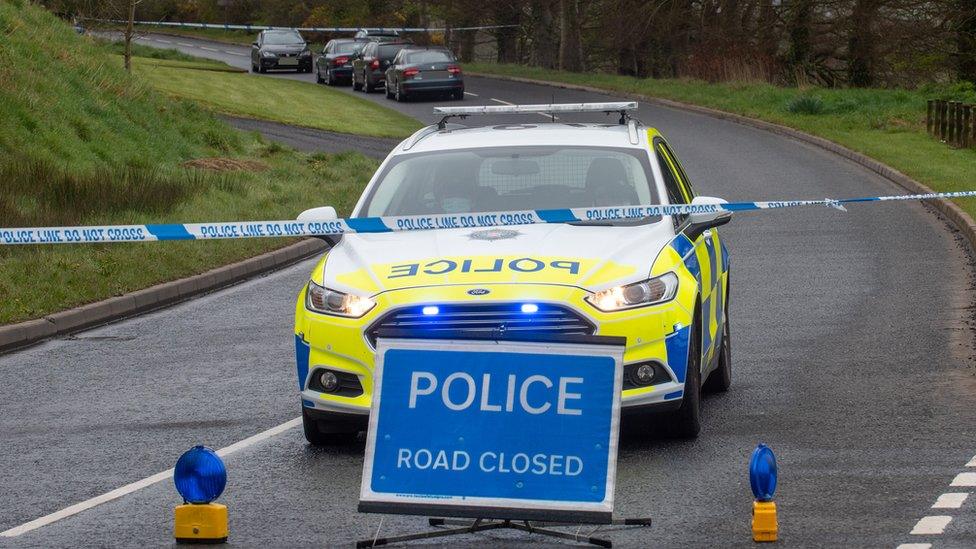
(852, 351)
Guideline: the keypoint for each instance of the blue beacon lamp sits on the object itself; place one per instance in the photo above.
(200, 477)
(762, 479)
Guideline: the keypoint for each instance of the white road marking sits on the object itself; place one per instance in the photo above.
(471, 94)
(185, 45)
(934, 524)
(964, 479)
(972, 462)
(544, 115)
(951, 500)
(236, 53)
(208, 49)
(140, 484)
(915, 546)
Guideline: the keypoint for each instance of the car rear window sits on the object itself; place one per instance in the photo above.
(389, 51)
(348, 47)
(431, 56)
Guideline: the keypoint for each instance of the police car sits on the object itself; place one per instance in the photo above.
(661, 282)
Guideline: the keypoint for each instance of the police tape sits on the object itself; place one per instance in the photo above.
(334, 227)
(255, 28)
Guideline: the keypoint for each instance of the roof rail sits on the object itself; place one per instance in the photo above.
(420, 134)
(622, 107)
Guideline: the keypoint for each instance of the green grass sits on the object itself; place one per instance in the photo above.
(888, 125)
(82, 142)
(276, 99)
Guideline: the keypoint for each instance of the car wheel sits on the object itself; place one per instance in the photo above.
(367, 87)
(329, 79)
(318, 77)
(685, 422)
(720, 379)
(389, 92)
(262, 70)
(401, 96)
(458, 95)
(356, 86)
(317, 436)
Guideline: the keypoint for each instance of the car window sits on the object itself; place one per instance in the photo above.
(387, 51)
(511, 178)
(347, 47)
(428, 56)
(683, 180)
(283, 39)
(675, 196)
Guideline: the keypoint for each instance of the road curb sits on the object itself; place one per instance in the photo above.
(22, 334)
(959, 218)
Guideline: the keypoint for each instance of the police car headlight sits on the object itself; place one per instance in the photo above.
(331, 302)
(639, 294)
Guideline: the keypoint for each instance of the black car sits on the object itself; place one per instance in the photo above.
(335, 62)
(369, 69)
(417, 71)
(280, 49)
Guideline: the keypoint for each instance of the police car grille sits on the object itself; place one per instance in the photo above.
(484, 318)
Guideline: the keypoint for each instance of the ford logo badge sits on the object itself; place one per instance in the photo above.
(479, 291)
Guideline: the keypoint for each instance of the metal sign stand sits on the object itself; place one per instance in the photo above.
(482, 525)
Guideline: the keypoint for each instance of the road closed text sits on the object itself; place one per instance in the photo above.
(489, 462)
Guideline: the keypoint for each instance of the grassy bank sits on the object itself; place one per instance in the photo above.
(85, 143)
(888, 125)
(277, 99)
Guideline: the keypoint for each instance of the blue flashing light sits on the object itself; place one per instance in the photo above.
(200, 475)
(530, 308)
(431, 310)
(762, 473)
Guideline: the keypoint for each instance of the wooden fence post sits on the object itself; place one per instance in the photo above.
(929, 107)
(943, 127)
(951, 119)
(960, 129)
(967, 134)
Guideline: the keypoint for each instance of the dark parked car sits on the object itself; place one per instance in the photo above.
(417, 71)
(280, 49)
(369, 69)
(378, 35)
(335, 63)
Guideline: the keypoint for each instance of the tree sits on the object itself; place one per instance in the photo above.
(966, 40)
(570, 44)
(861, 43)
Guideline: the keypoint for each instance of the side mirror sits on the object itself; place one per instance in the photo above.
(255, 45)
(708, 218)
(322, 213)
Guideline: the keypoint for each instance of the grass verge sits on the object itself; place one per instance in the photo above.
(276, 99)
(85, 143)
(887, 125)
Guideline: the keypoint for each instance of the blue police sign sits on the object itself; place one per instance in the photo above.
(494, 429)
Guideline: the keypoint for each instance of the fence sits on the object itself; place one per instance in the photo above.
(952, 122)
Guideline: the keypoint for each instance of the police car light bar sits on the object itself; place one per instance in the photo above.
(621, 107)
(552, 108)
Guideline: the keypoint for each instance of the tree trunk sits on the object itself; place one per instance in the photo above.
(767, 35)
(570, 46)
(799, 35)
(506, 39)
(131, 16)
(861, 42)
(966, 40)
(545, 43)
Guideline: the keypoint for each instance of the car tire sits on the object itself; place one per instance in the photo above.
(262, 70)
(329, 79)
(316, 437)
(367, 87)
(356, 86)
(720, 379)
(318, 77)
(685, 422)
(458, 95)
(389, 93)
(399, 94)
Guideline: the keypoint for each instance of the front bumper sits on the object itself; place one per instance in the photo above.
(287, 63)
(656, 333)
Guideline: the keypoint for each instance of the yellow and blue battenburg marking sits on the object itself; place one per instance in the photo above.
(292, 228)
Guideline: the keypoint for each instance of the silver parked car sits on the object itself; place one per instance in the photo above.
(280, 49)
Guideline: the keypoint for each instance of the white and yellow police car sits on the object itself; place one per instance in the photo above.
(660, 282)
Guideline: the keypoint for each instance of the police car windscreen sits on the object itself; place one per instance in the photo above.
(511, 178)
